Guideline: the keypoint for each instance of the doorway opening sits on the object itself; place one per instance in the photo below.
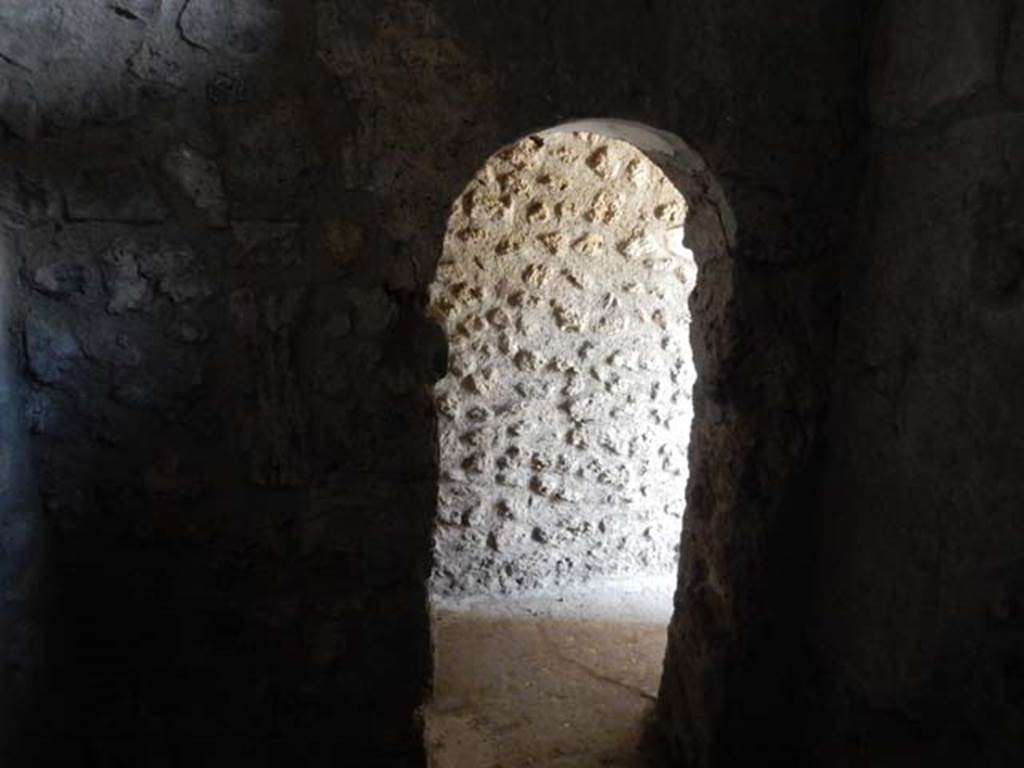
(564, 421)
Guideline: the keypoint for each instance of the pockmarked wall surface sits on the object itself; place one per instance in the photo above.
(565, 414)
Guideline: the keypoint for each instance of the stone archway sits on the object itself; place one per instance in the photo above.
(569, 270)
(563, 292)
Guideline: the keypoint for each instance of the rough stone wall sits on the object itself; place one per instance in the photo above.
(218, 378)
(223, 218)
(23, 558)
(565, 415)
(919, 617)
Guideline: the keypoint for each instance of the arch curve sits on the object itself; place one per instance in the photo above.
(490, 482)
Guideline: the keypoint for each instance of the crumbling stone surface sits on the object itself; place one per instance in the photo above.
(565, 415)
(199, 178)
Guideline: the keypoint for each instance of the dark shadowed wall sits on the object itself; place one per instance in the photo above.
(25, 598)
(221, 220)
(919, 612)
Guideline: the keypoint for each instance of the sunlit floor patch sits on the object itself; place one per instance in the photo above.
(551, 679)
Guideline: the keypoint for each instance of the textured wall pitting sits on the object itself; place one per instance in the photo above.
(566, 412)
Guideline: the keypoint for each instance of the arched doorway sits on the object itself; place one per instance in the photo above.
(564, 422)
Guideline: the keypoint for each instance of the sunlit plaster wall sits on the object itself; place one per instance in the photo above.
(566, 410)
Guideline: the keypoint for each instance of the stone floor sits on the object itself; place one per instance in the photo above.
(556, 680)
